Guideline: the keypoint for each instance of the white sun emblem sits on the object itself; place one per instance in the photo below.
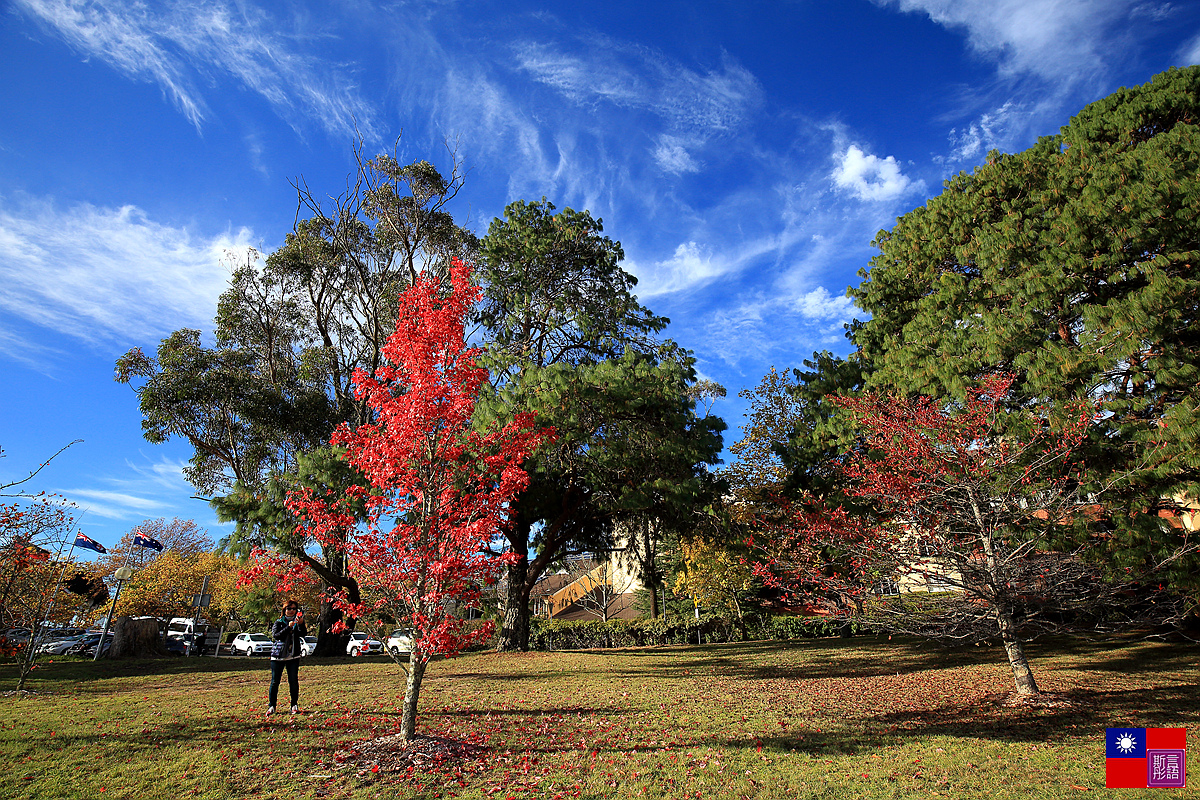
(1126, 743)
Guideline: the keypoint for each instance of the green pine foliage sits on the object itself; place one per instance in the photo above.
(1071, 265)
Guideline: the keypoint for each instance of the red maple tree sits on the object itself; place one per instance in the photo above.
(441, 490)
(968, 514)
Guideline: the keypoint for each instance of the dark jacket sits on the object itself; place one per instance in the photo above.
(287, 639)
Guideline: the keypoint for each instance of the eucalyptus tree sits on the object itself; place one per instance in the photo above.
(258, 407)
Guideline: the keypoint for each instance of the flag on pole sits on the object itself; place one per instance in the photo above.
(141, 540)
(88, 544)
(1140, 758)
(36, 553)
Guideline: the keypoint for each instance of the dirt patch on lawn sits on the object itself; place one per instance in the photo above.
(395, 754)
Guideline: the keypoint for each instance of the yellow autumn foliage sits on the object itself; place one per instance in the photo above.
(165, 585)
(711, 575)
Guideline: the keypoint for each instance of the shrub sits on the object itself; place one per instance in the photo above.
(676, 629)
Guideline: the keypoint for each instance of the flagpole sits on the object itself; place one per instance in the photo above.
(122, 575)
(61, 572)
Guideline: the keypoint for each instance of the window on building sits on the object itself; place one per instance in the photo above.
(887, 588)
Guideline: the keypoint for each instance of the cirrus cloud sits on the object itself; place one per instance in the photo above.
(108, 274)
(179, 46)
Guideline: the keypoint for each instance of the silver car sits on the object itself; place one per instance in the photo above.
(57, 647)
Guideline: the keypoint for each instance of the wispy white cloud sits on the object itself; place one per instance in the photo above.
(992, 130)
(1054, 39)
(26, 351)
(180, 45)
(148, 488)
(869, 177)
(112, 498)
(672, 156)
(255, 152)
(108, 274)
(765, 324)
(689, 266)
(166, 473)
(498, 126)
(1189, 54)
(692, 106)
(630, 76)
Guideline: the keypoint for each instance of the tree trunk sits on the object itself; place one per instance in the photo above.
(741, 619)
(1016, 654)
(135, 638)
(412, 694)
(328, 642)
(650, 568)
(514, 634)
(998, 574)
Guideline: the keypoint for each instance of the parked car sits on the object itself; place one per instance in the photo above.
(16, 635)
(362, 645)
(251, 644)
(308, 645)
(58, 634)
(199, 637)
(57, 647)
(187, 645)
(87, 645)
(399, 643)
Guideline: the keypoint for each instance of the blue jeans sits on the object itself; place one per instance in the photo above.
(293, 672)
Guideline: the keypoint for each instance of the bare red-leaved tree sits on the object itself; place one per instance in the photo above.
(972, 520)
(440, 489)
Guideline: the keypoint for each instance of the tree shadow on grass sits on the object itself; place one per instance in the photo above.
(861, 657)
(1085, 713)
(81, 672)
(849, 658)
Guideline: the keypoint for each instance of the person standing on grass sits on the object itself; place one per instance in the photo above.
(288, 634)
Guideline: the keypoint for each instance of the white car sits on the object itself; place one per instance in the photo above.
(362, 645)
(308, 645)
(399, 643)
(251, 644)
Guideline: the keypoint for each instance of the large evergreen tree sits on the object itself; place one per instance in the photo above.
(570, 342)
(1071, 265)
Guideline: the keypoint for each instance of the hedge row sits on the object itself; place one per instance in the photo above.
(586, 634)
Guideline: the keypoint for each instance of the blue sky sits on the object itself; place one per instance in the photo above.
(744, 153)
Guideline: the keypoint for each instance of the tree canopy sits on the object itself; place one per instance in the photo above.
(569, 341)
(259, 407)
(442, 490)
(1072, 266)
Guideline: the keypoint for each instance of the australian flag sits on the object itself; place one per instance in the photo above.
(88, 544)
(141, 540)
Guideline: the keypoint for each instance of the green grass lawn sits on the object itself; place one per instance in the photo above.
(819, 718)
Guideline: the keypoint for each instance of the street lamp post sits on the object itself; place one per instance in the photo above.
(123, 574)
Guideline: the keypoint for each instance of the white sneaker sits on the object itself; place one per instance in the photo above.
(295, 710)
(270, 710)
